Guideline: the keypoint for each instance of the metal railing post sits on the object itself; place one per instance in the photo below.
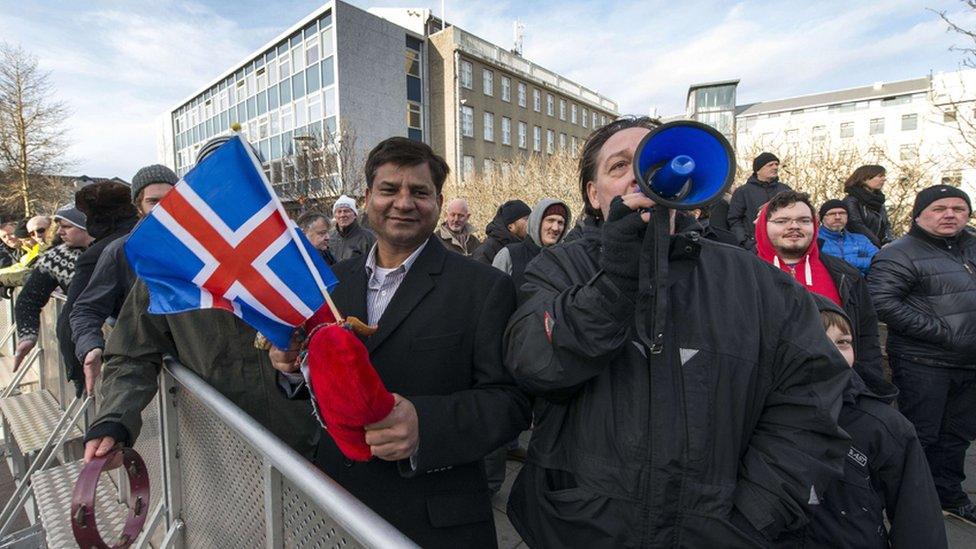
(272, 506)
(172, 477)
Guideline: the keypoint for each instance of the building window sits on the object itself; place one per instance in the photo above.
(575, 145)
(603, 120)
(550, 141)
(413, 62)
(819, 134)
(846, 129)
(466, 76)
(953, 178)
(506, 130)
(506, 169)
(521, 94)
(594, 119)
(562, 141)
(909, 122)
(488, 82)
(506, 89)
(537, 139)
(876, 127)
(489, 126)
(907, 152)
(413, 115)
(523, 130)
(467, 121)
(562, 109)
(584, 118)
(550, 104)
(792, 136)
(572, 113)
(488, 167)
(536, 101)
(467, 167)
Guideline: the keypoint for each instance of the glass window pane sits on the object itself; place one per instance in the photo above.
(327, 49)
(312, 82)
(314, 107)
(284, 90)
(328, 72)
(330, 102)
(298, 85)
(252, 109)
(301, 117)
(311, 53)
(262, 100)
(273, 98)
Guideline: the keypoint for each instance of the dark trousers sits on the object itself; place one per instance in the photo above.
(941, 403)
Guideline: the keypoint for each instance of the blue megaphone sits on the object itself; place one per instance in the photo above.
(684, 165)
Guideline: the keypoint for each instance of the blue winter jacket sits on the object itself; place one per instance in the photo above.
(853, 248)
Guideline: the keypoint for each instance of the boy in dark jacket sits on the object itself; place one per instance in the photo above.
(885, 473)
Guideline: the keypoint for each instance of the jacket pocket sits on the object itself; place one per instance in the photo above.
(447, 510)
(442, 341)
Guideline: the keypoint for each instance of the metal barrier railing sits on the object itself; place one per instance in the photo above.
(218, 477)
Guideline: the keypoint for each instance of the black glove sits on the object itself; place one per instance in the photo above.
(623, 236)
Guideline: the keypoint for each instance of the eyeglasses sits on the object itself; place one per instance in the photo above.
(785, 221)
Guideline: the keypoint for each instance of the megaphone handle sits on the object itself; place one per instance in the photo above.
(652, 297)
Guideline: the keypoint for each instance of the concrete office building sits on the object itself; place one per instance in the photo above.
(338, 66)
(925, 122)
(377, 74)
(489, 105)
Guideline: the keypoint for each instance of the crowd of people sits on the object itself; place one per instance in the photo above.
(745, 401)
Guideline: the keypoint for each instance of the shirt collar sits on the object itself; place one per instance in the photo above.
(407, 263)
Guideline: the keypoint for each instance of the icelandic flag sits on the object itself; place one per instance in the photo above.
(221, 239)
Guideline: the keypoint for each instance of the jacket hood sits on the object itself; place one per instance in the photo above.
(810, 271)
(864, 382)
(765, 249)
(535, 219)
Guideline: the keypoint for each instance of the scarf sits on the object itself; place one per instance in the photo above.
(871, 199)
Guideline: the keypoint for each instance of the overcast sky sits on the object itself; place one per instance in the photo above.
(119, 65)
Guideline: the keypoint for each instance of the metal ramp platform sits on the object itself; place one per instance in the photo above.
(52, 493)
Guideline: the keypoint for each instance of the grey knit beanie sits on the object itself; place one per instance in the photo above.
(156, 173)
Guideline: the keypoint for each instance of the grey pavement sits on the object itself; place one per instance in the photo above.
(961, 536)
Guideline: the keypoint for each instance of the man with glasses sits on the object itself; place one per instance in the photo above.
(836, 240)
(786, 237)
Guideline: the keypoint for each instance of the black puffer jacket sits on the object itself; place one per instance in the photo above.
(719, 440)
(498, 236)
(745, 204)
(867, 215)
(924, 288)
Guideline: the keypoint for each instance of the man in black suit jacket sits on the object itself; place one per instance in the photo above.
(441, 317)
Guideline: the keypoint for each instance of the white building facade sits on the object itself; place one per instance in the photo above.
(925, 123)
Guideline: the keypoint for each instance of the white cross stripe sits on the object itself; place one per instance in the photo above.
(232, 237)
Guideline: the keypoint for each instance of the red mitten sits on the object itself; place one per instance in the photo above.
(347, 390)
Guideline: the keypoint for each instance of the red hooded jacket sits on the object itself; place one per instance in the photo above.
(809, 271)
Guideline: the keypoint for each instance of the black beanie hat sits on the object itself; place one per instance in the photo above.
(513, 210)
(762, 160)
(831, 204)
(937, 192)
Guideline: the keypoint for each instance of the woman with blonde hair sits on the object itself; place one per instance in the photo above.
(865, 202)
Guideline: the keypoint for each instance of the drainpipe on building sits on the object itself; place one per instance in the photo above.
(458, 150)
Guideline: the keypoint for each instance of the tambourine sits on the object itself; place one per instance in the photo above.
(83, 500)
